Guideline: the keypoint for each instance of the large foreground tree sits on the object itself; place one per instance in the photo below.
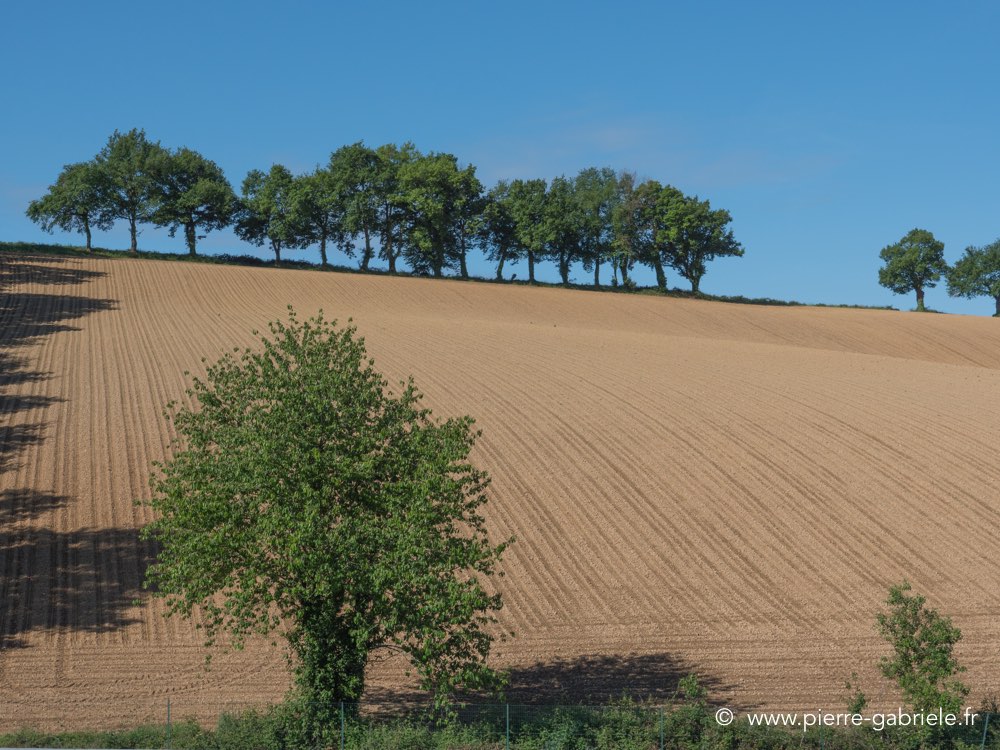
(914, 264)
(304, 496)
(75, 203)
(977, 274)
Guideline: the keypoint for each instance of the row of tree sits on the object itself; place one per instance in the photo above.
(396, 203)
(916, 263)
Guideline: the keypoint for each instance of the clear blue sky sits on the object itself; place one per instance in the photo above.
(827, 129)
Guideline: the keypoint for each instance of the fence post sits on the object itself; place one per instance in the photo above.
(506, 712)
(661, 728)
(168, 724)
(986, 726)
(342, 725)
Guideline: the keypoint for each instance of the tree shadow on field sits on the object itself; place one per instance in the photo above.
(596, 679)
(24, 317)
(84, 580)
(584, 680)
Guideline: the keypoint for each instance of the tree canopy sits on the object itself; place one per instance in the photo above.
(75, 203)
(394, 202)
(922, 663)
(129, 164)
(914, 264)
(192, 194)
(305, 496)
(977, 274)
(266, 212)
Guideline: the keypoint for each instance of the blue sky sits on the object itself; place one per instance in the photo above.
(828, 130)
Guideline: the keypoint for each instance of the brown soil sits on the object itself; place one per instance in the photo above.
(694, 486)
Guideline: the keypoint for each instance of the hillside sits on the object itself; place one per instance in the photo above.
(695, 486)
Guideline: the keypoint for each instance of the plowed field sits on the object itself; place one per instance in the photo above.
(694, 486)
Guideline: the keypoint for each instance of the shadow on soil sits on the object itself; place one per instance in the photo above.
(81, 580)
(585, 680)
(24, 317)
(595, 679)
(84, 580)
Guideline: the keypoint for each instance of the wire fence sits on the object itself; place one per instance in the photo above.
(623, 725)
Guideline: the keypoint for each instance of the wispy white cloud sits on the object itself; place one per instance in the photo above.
(668, 151)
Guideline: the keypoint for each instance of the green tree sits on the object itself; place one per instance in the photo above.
(317, 211)
(393, 210)
(629, 235)
(562, 226)
(499, 230)
(265, 213)
(694, 235)
(977, 274)
(303, 495)
(913, 264)
(922, 663)
(444, 206)
(656, 209)
(128, 162)
(355, 170)
(527, 202)
(75, 203)
(192, 193)
(596, 193)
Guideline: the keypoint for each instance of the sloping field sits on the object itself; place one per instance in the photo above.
(694, 486)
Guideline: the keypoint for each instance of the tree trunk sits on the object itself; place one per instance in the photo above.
(190, 237)
(920, 299)
(134, 247)
(624, 269)
(661, 278)
(276, 246)
(564, 270)
(503, 257)
(331, 667)
(463, 268)
(695, 283)
(597, 271)
(366, 258)
(86, 230)
(322, 251)
(531, 267)
(997, 313)
(387, 249)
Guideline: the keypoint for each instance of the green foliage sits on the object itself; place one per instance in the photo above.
(977, 274)
(318, 212)
(693, 235)
(627, 228)
(922, 664)
(266, 213)
(304, 497)
(394, 211)
(596, 194)
(356, 173)
(527, 205)
(129, 163)
(443, 206)
(562, 226)
(183, 734)
(75, 203)
(192, 194)
(913, 264)
(498, 228)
